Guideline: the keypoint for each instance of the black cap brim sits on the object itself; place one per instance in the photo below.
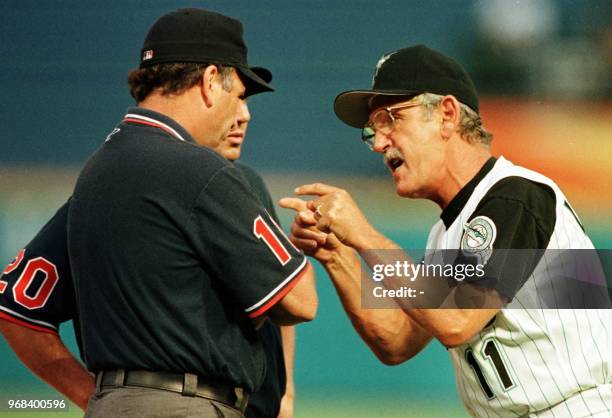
(353, 107)
(255, 79)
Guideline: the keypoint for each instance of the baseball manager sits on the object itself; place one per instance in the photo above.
(422, 114)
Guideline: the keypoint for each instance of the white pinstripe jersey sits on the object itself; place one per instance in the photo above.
(533, 362)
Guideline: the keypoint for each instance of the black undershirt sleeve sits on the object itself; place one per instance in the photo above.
(523, 214)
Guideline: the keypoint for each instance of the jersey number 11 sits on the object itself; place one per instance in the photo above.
(492, 354)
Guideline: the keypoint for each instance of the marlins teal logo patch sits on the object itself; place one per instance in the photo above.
(478, 235)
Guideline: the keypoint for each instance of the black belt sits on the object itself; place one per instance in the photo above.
(186, 384)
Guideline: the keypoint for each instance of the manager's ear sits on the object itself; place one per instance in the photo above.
(450, 109)
(209, 84)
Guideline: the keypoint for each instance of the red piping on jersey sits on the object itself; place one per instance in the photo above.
(26, 324)
(155, 125)
(280, 294)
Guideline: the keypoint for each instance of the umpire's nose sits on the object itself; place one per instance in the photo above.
(243, 116)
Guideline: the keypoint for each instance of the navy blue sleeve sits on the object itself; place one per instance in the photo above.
(250, 253)
(259, 188)
(266, 401)
(36, 287)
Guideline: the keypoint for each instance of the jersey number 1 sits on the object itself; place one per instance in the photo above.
(263, 231)
(492, 353)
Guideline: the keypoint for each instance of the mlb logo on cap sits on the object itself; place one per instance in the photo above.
(147, 55)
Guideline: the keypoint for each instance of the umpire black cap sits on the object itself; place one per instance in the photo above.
(199, 35)
(408, 72)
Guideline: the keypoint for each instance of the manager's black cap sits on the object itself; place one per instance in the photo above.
(198, 35)
(408, 72)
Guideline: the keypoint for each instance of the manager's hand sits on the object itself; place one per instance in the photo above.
(334, 211)
(304, 232)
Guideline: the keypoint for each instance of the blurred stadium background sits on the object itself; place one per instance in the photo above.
(542, 69)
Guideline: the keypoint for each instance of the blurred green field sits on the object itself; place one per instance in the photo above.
(357, 407)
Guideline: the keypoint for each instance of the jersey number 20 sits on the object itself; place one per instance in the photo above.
(31, 270)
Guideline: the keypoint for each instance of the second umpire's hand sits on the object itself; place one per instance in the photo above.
(333, 211)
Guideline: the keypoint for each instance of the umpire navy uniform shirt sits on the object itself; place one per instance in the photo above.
(266, 401)
(172, 256)
(36, 291)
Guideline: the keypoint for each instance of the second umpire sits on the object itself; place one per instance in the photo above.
(175, 260)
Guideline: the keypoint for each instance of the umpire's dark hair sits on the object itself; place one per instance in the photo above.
(172, 78)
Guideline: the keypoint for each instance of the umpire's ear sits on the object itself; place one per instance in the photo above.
(210, 84)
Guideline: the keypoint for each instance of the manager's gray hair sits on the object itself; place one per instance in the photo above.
(470, 125)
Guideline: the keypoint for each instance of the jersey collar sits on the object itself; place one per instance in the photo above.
(148, 117)
(454, 208)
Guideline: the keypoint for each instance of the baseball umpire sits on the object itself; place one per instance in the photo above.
(162, 234)
(422, 114)
(31, 326)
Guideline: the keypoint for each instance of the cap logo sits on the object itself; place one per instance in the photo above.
(380, 63)
(147, 55)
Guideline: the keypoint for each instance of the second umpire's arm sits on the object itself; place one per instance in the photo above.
(31, 326)
(46, 355)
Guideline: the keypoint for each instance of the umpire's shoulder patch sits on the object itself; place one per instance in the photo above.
(479, 234)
